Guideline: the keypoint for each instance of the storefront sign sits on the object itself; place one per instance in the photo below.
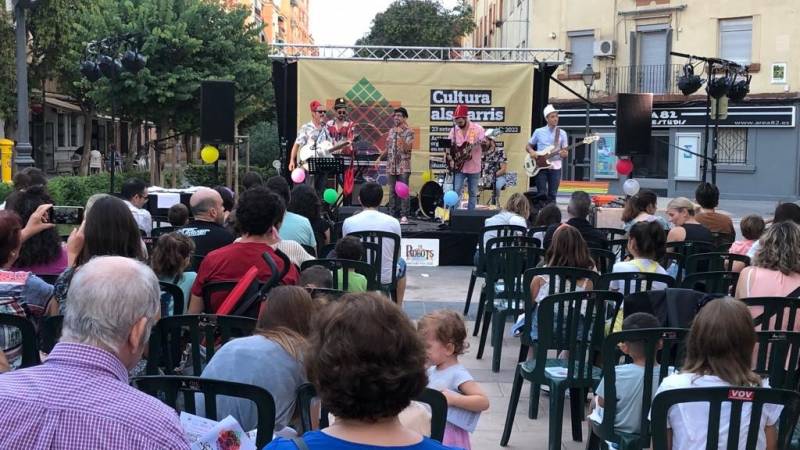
(420, 252)
(695, 116)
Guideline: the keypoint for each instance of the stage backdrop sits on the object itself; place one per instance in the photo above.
(498, 95)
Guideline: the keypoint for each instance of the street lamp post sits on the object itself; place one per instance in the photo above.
(23, 148)
(588, 80)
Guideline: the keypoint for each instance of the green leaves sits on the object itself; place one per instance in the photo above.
(424, 23)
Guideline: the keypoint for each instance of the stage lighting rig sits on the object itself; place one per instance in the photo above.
(689, 83)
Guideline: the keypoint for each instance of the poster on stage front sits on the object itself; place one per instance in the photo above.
(498, 95)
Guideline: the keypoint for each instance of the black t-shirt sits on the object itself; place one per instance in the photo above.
(207, 236)
(593, 238)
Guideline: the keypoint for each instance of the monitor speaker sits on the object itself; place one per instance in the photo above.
(634, 125)
(469, 221)
(217, 112)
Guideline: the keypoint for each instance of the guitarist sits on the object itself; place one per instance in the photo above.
(339, 132)
(308, 132)
(547, 180)
(465, 132)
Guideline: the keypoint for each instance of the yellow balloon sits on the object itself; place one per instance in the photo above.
(209, 154)
(427, 176)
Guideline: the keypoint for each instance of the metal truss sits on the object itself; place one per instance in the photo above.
(552, 56)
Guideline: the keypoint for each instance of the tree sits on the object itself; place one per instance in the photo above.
(421, 23)
(7, 69)
(264, 144)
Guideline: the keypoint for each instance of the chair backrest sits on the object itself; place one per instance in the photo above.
(619, 247)
(174, 291)
(634, 281)
(671, 258)
(778, 358)
(176, 339)
(159, 231)
(167, 387)
(613, 233)
(722, 240)
(495, 231)
(712, 282)
(19, 329)
(662, 346)
(687, 248)
(214, 288)
(575, 322)
(375, 255)
(713, 262)
(50, 332)
(736, 398)
(309, 249)
(774, 313)
(196, 260)
(512, 241)
(435, 399)
(344, 265)
(508, 264)
(603, 259)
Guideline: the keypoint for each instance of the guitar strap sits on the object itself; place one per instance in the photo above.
(557, 139)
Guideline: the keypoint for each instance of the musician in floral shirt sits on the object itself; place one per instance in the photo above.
(399, 141)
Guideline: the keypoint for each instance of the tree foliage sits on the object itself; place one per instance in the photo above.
(7, 75)
(424, 23)
(264, 144)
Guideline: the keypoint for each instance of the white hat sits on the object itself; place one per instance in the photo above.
(549, 109)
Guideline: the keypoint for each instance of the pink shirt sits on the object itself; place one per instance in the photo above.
(474, 133)
(741, 247)
(760, 282)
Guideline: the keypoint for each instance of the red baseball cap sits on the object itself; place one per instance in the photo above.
(461, 111)
(314, 105)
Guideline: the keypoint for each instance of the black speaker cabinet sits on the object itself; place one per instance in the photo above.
(469, 221)
(634, 124)
(217, 109)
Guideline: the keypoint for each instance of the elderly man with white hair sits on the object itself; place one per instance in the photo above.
(80, 396)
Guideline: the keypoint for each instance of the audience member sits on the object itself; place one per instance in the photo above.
(547, 216)
(517, 209)
(206, 229)
(707, 196)
(568, 249)
(646, 241)
(42, 254)
(580, 205)
(178, 215)
(784, 212)
(24, 179)
(316, 277)
(258, 214)
(364, 336)
(251, 180)
(273, 356)
(21, 292)
(681, 213)
(294, 227)
(80, 396)
(349, 247)
(370, 219)
(134, 193)
(752, 227)
(719, 351)
(108, 230)
(91, 201)
(642, 207)
(629, 379)
(228, 200)
(445, 337)
(172, 255)
(307, 203)
(775, 269)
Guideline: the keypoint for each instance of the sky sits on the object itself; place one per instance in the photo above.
(342, 22)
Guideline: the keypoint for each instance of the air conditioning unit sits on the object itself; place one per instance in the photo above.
(605, 47)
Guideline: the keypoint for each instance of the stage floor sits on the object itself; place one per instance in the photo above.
(456, 248)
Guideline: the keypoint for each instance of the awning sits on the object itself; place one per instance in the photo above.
(61, 104)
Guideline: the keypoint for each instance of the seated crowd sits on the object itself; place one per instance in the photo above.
(365, 358)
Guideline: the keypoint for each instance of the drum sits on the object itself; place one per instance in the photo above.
(431, 196)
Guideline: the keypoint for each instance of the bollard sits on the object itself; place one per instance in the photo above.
(5, 159)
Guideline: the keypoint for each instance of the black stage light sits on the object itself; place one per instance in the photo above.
(90, 70)
(739, 89)
(133, 61)
(109, 66)
(689, 83)
(718, 87)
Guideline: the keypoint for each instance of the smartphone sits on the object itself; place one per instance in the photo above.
(67, 215)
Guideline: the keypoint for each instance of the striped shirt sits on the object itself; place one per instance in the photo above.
(79, 398)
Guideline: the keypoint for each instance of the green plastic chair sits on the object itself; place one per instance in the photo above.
(619, 247)
(634, 281)
(374, 256)
(27, 338)
(778, 358)
(175, 339)
(723, 283)
(433, 398)
(479, 271)
(736, 397)
(671, 258)
(722, 241)
(777, 313)
(603, 259)
(336, 264)
(167, 387)
(713, 262)
(574, 322)
(613, 233)
(670, 353)
(688, 248)
(178, 302)
(505, 291)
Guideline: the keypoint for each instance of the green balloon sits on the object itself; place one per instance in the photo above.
(330, 196)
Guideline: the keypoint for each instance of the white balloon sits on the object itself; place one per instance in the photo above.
(631, 186)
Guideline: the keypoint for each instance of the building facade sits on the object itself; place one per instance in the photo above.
(628, 44)
(283, 21)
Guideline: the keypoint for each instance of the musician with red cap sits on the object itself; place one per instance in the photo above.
(308, 132)
(464, 157)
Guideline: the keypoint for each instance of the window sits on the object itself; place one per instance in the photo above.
(736, 40)
(62, 130)
(581, 44)
(73, 131)
(732, 146)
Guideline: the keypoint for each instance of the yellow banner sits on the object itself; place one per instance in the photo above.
(498, 95)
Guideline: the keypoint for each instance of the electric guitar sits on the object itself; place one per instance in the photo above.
(542, 159)
(324, 149)
(458, 155)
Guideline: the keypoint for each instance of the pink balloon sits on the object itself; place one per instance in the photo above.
(401, 189)
(298, 175)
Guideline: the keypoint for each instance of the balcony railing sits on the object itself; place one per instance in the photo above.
(656, 79)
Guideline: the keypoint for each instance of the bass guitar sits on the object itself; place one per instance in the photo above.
(458, 155)
(542, 159)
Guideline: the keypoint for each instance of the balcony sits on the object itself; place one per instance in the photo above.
(659, 79)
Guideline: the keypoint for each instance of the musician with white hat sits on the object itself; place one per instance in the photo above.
(550, 135)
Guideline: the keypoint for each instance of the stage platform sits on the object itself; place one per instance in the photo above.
(456, 248)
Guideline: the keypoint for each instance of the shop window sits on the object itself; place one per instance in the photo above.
(732, 146)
